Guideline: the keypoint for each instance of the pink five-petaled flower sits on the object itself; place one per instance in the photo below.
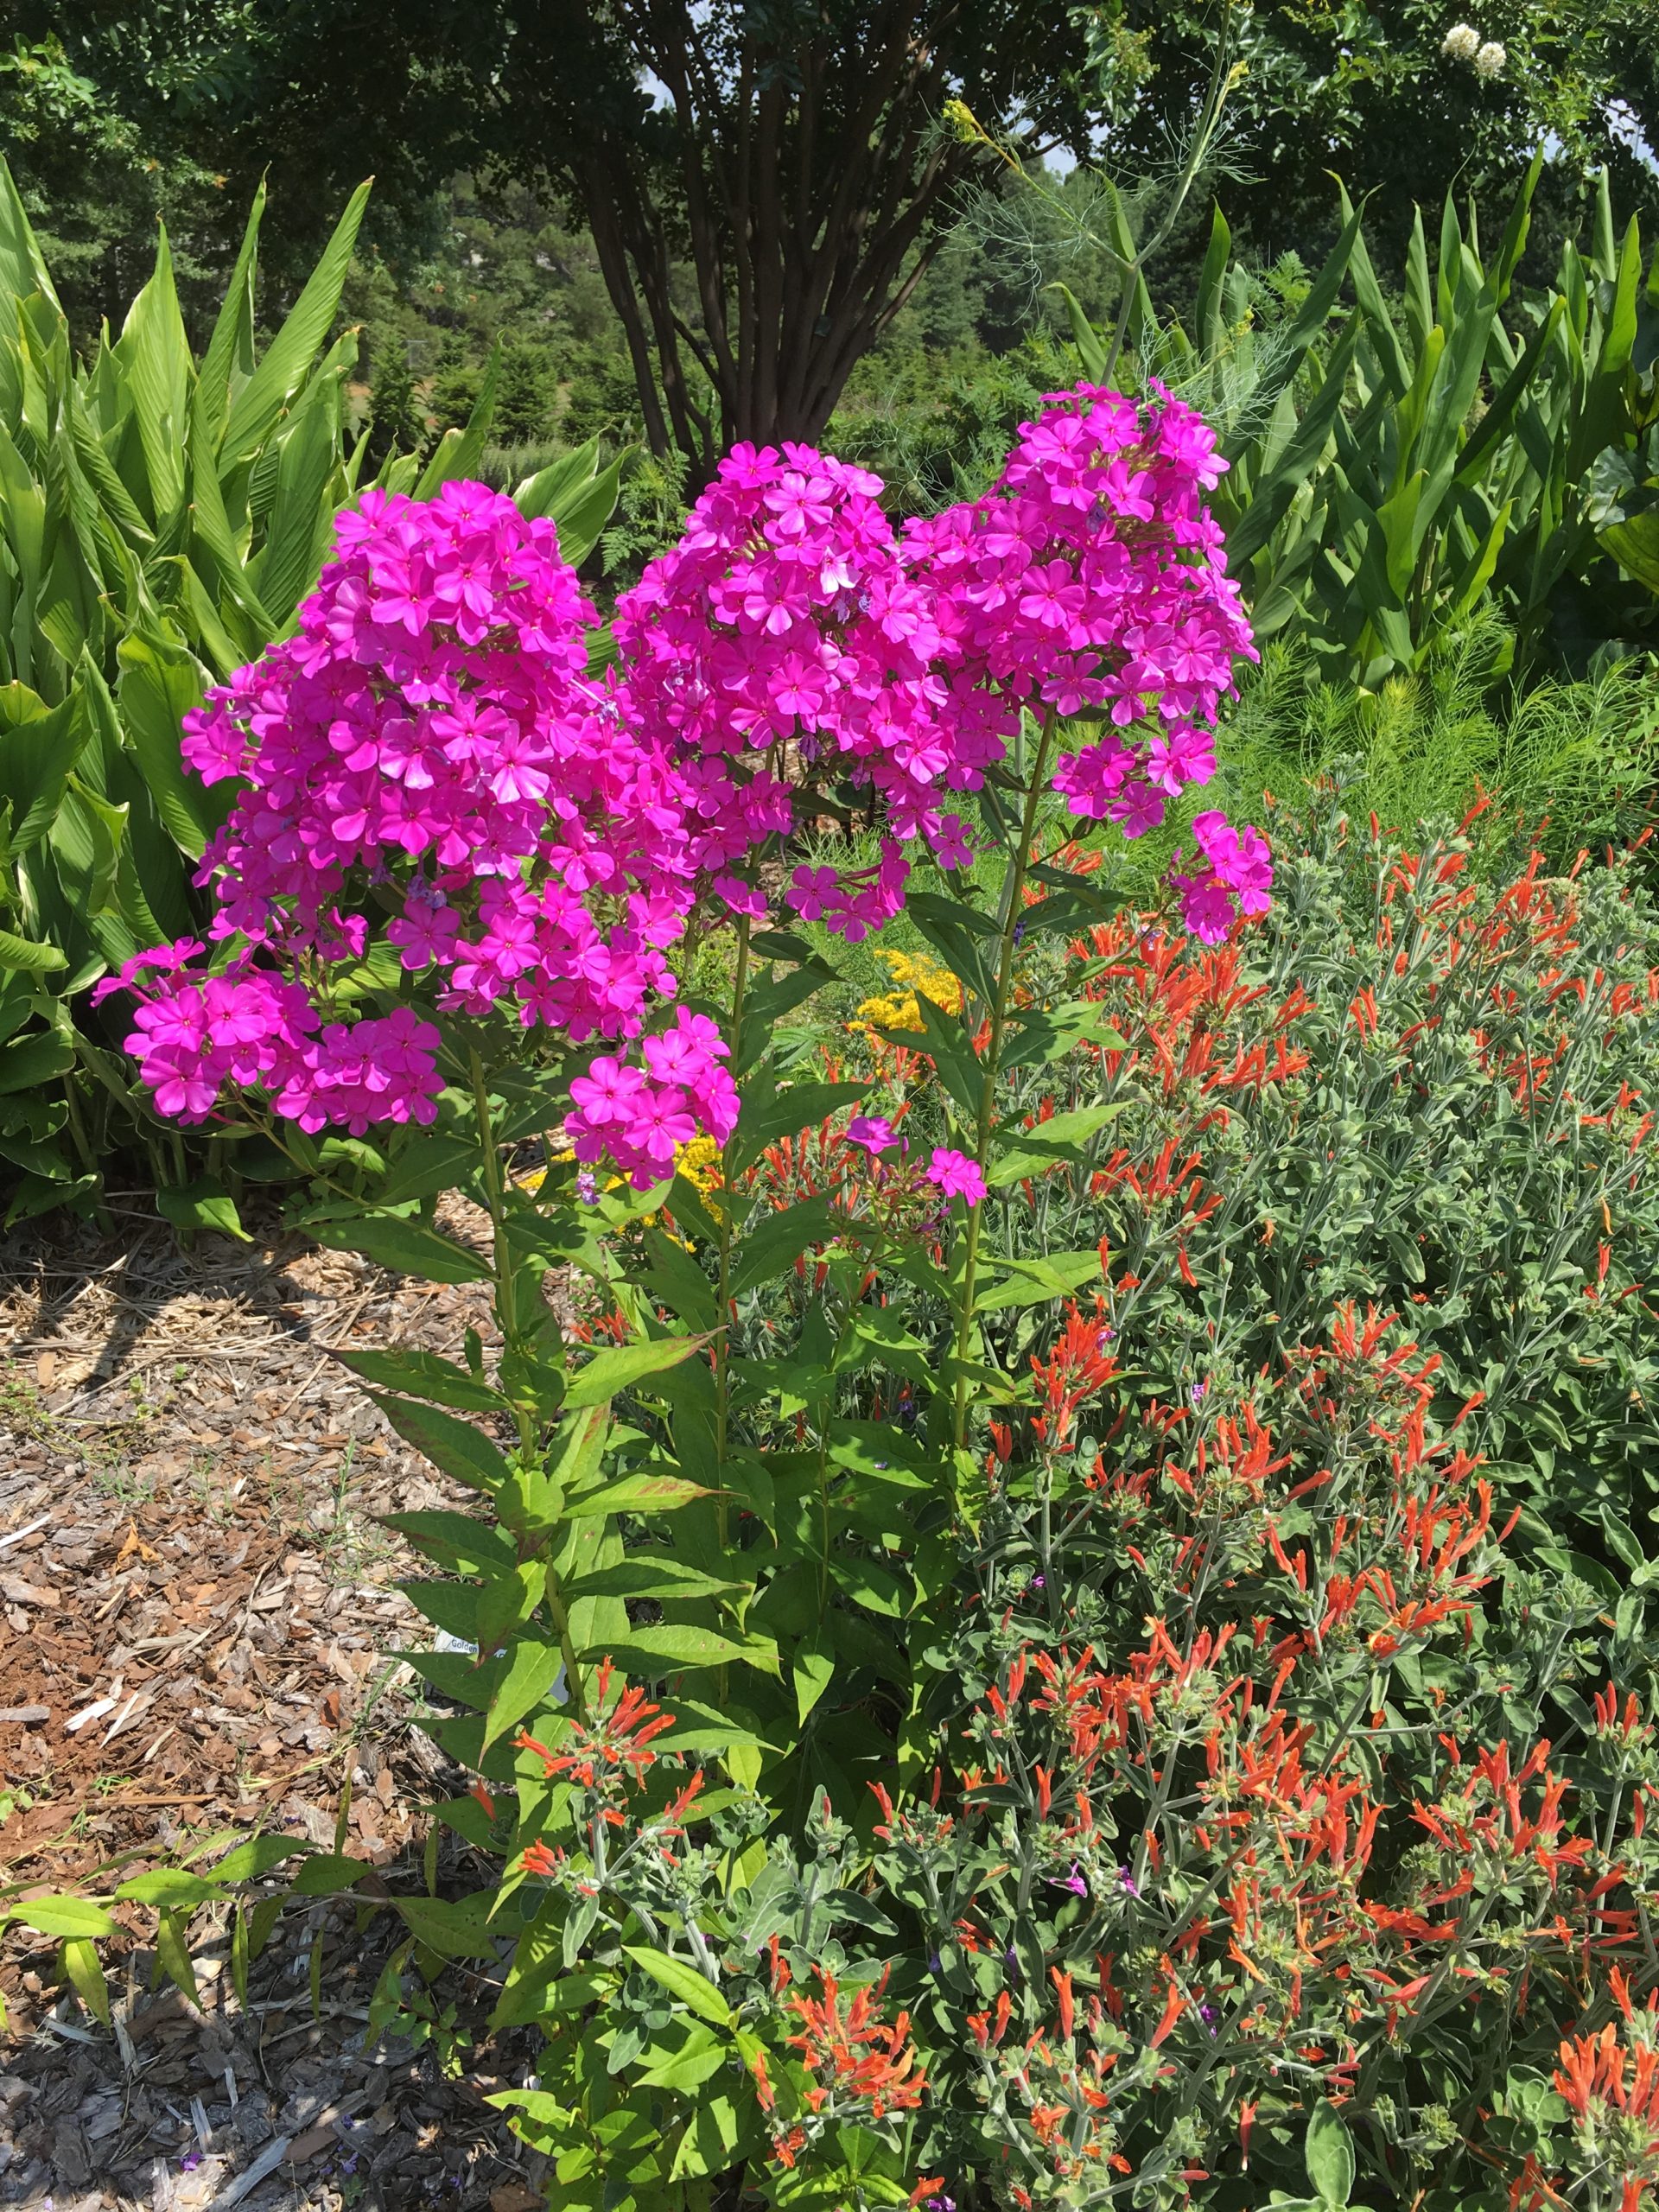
(956, 1175)
(873, 1131)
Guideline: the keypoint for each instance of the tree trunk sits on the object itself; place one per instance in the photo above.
(802, 184)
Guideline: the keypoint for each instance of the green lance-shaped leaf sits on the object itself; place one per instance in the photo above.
(39, 746)
(160, 684)
(460, 451)
(23, 270)
(286, 360)
(608, 1373)
(452, 1445)
(153, 355)
(409, 1247)
(229, 362)
(301, 519)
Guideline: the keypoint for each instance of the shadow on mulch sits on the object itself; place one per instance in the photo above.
(202, 1612)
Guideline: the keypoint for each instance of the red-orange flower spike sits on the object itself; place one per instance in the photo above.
(616, 1736)
(854, 2055)
(1079, 1366)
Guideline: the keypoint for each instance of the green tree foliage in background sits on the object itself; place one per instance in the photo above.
(1366, 88)
(718, 222)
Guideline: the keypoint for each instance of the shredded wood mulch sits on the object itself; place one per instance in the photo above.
(200, 1618)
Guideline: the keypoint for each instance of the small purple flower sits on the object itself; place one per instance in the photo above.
(1196, 1394)
(1039, 1582)
(587, 1186)
(935, 1963)
(1074, 1882)
(1207, 2014)
(941, 2204)
(1126, 1882)
(189, 2161)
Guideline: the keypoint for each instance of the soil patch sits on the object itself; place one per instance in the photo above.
(201, 1623)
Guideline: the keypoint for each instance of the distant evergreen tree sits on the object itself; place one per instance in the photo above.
(397, 415)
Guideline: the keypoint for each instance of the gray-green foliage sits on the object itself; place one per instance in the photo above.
(1574, 762)
(1395, 465)
(161, 519)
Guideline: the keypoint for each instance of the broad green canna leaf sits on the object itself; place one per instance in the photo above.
(286, 360)
(154, 356)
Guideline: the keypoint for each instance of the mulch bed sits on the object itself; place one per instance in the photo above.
(201, 1614)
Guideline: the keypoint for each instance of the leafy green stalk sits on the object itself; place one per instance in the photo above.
(1008, 915)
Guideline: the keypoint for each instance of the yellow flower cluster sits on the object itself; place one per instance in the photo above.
(698, 1161)
(915, 975)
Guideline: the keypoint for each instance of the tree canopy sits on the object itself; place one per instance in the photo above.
(766, 181)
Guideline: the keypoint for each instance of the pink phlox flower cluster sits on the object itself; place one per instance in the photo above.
(1092, 580)
(1231, 873)
(427, 741)
(637, 1117)
(429, 747)
(250, 1027)
(431, 731)
(952, 1173)
(783, 637)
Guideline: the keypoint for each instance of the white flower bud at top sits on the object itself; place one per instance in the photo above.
(1461, 42)
(1489, 62)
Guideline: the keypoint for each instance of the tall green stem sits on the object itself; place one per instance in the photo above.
(727, 1160)
(507, 1317)
(501, 1268)
(89, 1159)
(1013, 884)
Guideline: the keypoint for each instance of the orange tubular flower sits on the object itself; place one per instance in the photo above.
(765, 2095)
(1601, 2079)
(617, 1735)
(1599, 2069)
(854, 2055)
(1174, 2005)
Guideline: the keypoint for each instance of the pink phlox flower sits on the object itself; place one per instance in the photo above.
(873, 1131)
(956, 1175)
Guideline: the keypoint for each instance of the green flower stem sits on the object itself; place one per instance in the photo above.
(502, 1273)
(728, 1161)
(501, 1257)
(1013, 884)
(88, 1157)
(722, 1346)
